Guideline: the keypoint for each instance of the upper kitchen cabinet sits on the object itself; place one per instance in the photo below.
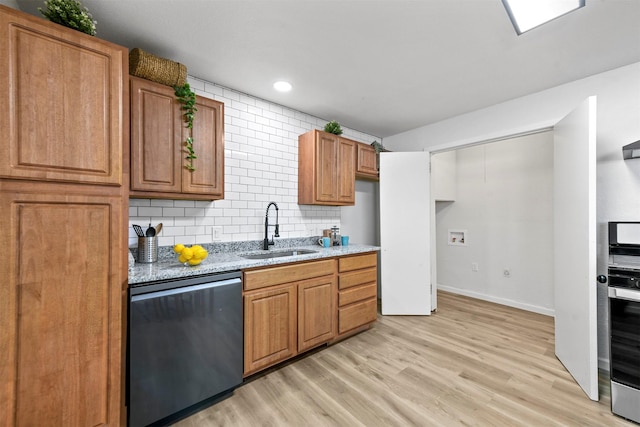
(326, 169)
(158, 152)
(366, 162)
(63, 102)
(443, 176)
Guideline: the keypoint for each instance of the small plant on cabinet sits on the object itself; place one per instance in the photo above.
(333, 127)
(71, 14)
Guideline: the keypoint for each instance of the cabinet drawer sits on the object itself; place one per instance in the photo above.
(358, 262)
(359, 277)
(357, 314)
(271, 276)
(357, 294)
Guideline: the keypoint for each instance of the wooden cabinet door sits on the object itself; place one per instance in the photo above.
(156, 132)
(270, 322)
(208, 143)
(60, 306)
(63, 104)
(346, 191)
(316, 311)
(366, 161)
(326, 169)
(327, 152)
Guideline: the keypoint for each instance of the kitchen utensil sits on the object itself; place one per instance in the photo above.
(151, 232)
(147, 249)
(138, 230)
(158, 228)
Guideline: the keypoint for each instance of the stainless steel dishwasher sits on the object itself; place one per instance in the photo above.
(185, 346)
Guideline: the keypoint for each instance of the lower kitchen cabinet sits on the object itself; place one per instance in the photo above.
(357, 293)
(61, 304)
(287, 310)
(316, 312)
(270, 324)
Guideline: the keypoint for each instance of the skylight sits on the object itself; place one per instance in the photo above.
(528, 14)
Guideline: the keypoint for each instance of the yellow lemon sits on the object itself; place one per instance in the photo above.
(194, 261)
(197, 247)
(182, 259)
(200, 253)
(187, 253)
(178, 248)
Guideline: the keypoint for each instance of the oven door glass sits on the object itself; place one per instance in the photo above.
(625, 341)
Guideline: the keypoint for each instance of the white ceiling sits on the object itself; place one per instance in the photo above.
(381, 67)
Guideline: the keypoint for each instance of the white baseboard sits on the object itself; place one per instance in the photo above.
(497, 300)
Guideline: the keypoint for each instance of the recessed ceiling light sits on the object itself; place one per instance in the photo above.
(528, 14)
(282, 86)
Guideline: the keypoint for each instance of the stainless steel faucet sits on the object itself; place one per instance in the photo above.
(266, 243)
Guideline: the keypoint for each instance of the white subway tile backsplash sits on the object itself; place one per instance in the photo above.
(150, 211)
(223, 220)
(194, 212)
(261, 165)
(175, 212)
(182, 221)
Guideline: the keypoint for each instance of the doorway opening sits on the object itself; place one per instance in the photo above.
(501, 194)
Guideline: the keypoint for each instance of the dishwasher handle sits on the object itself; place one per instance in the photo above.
(628, 294)
(185, 289)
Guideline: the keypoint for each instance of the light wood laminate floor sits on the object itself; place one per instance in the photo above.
(472, 363)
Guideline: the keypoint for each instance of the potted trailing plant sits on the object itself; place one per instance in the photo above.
(71, 14)
(333, 127)
(187, 98)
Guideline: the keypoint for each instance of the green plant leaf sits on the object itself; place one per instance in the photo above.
(187, 99)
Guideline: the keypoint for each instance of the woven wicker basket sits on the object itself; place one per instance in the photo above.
(160, 70)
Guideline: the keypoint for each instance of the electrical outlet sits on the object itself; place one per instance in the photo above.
(506, 272)
(474, 266)
(216, 233)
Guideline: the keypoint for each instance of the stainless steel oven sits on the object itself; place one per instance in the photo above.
(624, 318)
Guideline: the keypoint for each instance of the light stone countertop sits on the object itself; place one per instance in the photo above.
(167, 267)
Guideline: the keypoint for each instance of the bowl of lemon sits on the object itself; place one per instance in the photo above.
(190, 255)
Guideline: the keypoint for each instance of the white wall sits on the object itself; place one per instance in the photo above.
(504, 201)
(360, 222)
(618, 123)
(261, 165)
(11, 3)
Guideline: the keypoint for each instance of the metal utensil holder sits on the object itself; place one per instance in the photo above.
(147, 249)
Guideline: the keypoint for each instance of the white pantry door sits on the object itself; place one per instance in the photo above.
(405, 260)
(575, 245)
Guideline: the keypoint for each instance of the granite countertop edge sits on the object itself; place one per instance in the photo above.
(168, 268)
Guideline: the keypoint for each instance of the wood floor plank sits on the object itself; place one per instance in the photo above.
(472, 363)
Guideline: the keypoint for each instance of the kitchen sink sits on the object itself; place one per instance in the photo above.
(277, 254)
